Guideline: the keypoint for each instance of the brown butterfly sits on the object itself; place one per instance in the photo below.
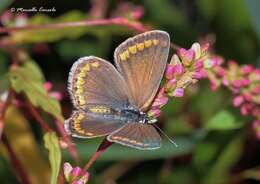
(113, 102)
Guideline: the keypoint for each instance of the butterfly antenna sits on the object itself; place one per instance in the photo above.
(174, 143)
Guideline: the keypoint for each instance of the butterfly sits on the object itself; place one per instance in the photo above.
(114, 101)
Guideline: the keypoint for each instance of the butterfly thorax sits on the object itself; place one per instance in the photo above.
(131, 115)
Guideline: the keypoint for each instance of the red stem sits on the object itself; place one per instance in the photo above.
(38, 118)
(112, 21)
(102, 147)
(71, 146)
(3, 110)
(15, 162)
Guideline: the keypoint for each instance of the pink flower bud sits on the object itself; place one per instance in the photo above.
(213, 84)
(186, 56)
(169, 72)
(238, 100)
(171, 84)
(237, 83)
(256, 111)
(159, 102)
(258, 134)
(246, 69)
(181, 52)
(84, 179)
(67, 169)
(256, 124)
(256, 89)
(178, 92)
(179, 70)
(175, 60)
(138, 12)
(77, 182)
(6, 16)
(245, 82)
(220, 71)
(63, 144)
(225, 81)
(154, 113)
(56, 95)
(247, 97)
(197, 75)
(75, 172)
(244, 110)
(198, 65)
(197, 50)
(47, 86)
(205, 47)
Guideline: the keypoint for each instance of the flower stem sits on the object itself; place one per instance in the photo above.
(102, 147)
(3, 110)
(111, 21)
(15, 162)
(38, 118)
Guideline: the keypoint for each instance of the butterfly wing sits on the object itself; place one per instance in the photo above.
(136, 135)
(93, 80)
(97, 90)
(87, 124)
(142, 60)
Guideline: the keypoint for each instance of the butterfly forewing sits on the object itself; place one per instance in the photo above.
(136, 135)
(95, 81)
(142, 60)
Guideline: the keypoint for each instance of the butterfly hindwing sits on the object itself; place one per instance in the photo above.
(95, 122)
(142, 60)
(137, 135)
(93, 80)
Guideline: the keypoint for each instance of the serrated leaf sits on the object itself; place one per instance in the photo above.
(51, 142)
(223, 120)
(28, 79)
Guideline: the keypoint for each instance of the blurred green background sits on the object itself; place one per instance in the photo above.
(206, 154)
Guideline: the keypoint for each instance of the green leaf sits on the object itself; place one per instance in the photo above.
(4, 4)
(117, 152)
(253, 9)
(227, 158)
(28, 79)
(51, 143)
(223, 120)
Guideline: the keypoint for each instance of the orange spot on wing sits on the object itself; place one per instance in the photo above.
(132, 49)
(140, 46)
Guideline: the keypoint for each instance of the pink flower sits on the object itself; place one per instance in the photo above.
(220, 71)
(198, 65)
(238, 100)
(179, 70)
(73, 175)
(160, 101)
(197, 75)
(246, 69)
(256, 89)
(186, 56)
(54, 94)
(171, 84)
(197, 50)
(169, 72)
(178, 92)
(154, 113)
